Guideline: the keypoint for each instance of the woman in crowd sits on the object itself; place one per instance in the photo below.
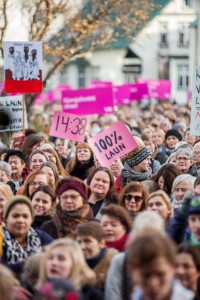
(188, 268)
(159, 139)
(83, 160)
(64, 260)
(190, 139)
(165, 177)
(5, 172)
(5, 195)
(54, 158)
(36, 159)
(133, 197)
(100, 181)
(52, 172)
(184, 158)
(182, 185)
(160, 202)
(155, 164)
(31, 143)
(152, 268)
(195, 169)
(72, 208)
(116, 224)
(43, 201)
(91, 239)
(172, 137)
(20, 240)
(35, 179)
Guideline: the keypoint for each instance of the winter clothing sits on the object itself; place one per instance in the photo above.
(173, 132)
(129, 175)
(39, 220)
(138, 157)
(17, 200)
(64, 222)
(70, 184)
(100, 265)
(82, 170)
(96, 208)
(120, 245)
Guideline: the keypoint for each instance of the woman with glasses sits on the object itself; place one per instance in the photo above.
(133, 198)
(33, 181)
(160, 202)
(195, 169)
(72, 208)
(183, 159)
(116, 224)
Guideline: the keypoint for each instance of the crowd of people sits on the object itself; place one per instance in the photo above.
(73, 229)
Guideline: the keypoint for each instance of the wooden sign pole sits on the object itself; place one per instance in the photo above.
(23, 114)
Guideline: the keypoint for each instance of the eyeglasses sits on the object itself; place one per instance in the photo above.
(183, 158)
(33, 183)
(129, 197)
(72, 197)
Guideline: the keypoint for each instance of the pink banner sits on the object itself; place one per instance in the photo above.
(68, 126)
(138, 91)
(99, 84)
(88, 101)
(158, 88)
(121, 95)
(112, 143)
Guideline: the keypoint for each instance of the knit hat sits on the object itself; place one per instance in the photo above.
(72, 184)
(139, 156)
(59, 289)
(17, 200)
(194, 208)
(173, 132)
(18, 153)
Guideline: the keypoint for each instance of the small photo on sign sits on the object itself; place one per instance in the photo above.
(22, 65)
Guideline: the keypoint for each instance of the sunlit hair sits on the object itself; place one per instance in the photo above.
(166, 199)
(37, 152)
(187, 178)
(6, 190)
(73, 162)
(5, 167)
(32, 267)
(7, 283)
(80, 275)
(31, 177)
(59, 166)
(134, 186)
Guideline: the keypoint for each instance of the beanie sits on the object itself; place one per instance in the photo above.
(194, 208)
(72, 184)
(138, 157)
(173, 132)
(17, 200)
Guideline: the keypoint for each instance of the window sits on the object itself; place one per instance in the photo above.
(81, 77)
(183, 77)
(163, 35)
(183, 36)
(188, 2)
(63, 76)
(95, 73)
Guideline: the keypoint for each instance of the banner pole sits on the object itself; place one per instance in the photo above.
(23, 114)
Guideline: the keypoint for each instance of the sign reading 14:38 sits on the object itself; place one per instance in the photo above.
(68, 126)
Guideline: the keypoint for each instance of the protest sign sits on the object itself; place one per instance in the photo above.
(68, 126)
(121, 94)
(195, 104)
(23, 67)
(158, 88)
(13, 107)
(99, 84)
(138, 91)
(112, 143)
(88, 101)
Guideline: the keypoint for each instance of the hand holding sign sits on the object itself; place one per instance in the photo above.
(68, 126)
(112, 143)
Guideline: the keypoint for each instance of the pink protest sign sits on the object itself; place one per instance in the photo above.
(112, 143)
(158, 88)
(138, 91)
(122, 94)
(99, 84)
(88, 101)
(68, 126)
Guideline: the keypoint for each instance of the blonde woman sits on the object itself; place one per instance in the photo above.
(160, 202)
(64, 259)
(5, 195)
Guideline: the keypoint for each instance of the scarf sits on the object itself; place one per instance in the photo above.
(92, 262)
(129, 175)
(14, 251)
(67, 221)
(194, 241)
(120, 245)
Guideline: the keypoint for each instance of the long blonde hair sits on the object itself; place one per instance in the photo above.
(80, 275)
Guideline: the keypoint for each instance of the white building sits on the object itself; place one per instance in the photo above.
(161, 50)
